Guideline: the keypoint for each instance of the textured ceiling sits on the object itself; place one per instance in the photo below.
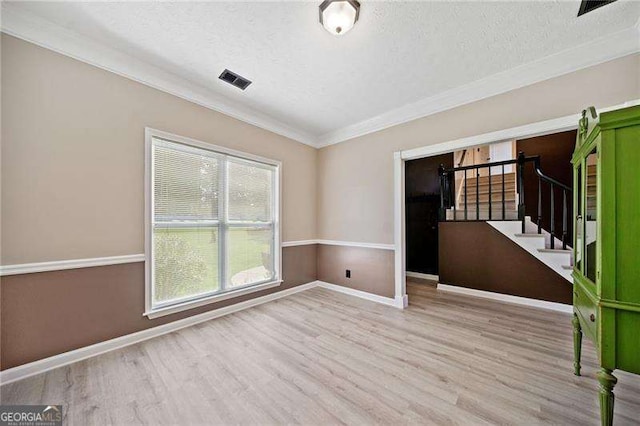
(398, 53)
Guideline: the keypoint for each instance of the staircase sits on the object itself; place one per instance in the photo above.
(479, 207)
(538, 245)
(469, 193)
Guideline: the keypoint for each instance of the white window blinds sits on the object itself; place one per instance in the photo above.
(186, 183)
(213, 223)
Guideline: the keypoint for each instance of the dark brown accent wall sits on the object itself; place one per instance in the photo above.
(48, 313)
(372, 270)
(422, 195)
(555, 153)
(476, 255)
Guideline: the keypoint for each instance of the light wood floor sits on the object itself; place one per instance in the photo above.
(320, 357)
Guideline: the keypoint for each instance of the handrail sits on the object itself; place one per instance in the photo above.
(449, 190)
(486, 165)
(546, 178)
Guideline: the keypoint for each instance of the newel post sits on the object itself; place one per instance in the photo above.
(521, 207)
(443, 187)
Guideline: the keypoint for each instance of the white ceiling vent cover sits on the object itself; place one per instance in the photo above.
(234, 79)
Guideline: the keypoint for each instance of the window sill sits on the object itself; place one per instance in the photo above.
(168, 310)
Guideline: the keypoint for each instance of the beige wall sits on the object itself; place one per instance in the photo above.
(72, 187)
(73, 157)
(73, 153)
(355, 178)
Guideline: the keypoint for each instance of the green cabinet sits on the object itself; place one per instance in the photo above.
(606, 254)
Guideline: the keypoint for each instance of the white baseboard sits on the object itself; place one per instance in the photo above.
(27, 370)
(402, 301)
(399, 302)
(542, 304)
(46, 364)
(422, 276)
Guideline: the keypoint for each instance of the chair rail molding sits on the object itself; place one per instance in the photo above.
(59, 265)
(379, 246)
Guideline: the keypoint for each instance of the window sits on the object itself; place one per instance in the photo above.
(213, 228)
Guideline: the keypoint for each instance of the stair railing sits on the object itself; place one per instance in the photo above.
(448, 197)
(447, 188)
(553, 184)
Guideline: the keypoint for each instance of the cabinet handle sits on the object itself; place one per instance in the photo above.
(592, 318)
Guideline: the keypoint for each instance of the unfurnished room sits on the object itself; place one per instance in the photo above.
(320, 212)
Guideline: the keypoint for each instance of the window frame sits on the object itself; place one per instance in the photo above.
(222, 224)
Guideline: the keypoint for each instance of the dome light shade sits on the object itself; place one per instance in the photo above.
(339, 16)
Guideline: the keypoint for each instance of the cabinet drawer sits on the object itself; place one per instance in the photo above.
(586, 310)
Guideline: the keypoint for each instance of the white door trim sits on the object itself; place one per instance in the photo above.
(399, 230)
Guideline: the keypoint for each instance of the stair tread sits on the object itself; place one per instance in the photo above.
(506, 175)
(567, 267)
(549, 250)
(494, 181)
(494, 193)
(494, 200)
(485, 204)
(483, 209)
(531, 235)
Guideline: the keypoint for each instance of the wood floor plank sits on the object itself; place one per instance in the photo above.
(320, 357)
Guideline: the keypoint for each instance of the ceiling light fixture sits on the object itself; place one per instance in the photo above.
(339, 16)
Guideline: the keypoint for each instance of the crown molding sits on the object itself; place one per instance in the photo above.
(41, 32)
(31, 28)
(594, 52)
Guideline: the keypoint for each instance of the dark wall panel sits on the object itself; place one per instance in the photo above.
(555, 153)
(422, 192)
(372, 270)
(476, 255)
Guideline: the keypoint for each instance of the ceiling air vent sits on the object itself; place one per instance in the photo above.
(587, 6)
(234, 79)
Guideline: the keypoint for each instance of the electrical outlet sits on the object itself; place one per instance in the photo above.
(348, 273)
